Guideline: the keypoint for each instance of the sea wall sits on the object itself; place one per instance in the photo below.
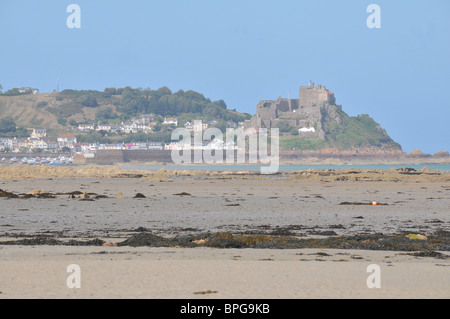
(122, 156)
(143, 156)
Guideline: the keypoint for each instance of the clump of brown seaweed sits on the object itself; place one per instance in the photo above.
(440, 241)
(50, 241)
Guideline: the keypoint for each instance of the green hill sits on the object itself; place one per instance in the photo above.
(58, 111)
(344, 132)
(62, 112)
(357, 133)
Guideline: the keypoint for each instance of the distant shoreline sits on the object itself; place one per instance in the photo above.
(27, 172)
(163, 157)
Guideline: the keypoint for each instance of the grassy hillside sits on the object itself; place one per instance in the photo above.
(302, 143)
(62, 112)
(44, 110)
(356, 133)
(24, 111)
(344, 133)
(58, 111)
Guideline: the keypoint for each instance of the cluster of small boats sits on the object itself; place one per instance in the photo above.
(60, 160)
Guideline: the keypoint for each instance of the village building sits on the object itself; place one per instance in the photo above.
(103, 127)
(199, 126)
(67, 140)
(38, 133)
(170, 121)
(86, 127)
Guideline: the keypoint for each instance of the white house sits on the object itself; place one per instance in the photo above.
(86, 127)
(37, 133)
(134, 127)
(141, 127)
(307, 130)
(103, 127)
(24, 89)
(171, 121)
(147, 118)
(67, 140)
(51, 145)
(39, 144)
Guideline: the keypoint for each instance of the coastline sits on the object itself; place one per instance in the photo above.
(25, 172)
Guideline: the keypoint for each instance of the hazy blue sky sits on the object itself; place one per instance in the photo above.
(244, 51)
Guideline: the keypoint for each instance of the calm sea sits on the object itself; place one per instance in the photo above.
(283, 168)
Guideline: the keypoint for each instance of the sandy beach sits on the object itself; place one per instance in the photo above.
(330, 230)
(111, 272)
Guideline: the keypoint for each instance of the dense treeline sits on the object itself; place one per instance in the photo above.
(161, 102)
(8, 128)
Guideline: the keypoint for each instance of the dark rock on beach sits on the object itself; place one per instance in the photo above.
(49, 241)
(6, 194)
(145, 239)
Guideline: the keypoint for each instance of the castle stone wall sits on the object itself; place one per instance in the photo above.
(312, 96)
(304, 112)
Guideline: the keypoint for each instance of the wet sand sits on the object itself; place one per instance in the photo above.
(224, 205)
(124, 272)
(253, 205)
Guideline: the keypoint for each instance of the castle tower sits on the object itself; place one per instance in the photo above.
(311, 96)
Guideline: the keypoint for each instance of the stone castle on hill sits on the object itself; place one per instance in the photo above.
(305, 113)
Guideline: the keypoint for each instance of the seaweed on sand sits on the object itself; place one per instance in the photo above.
(145, 239)
(34, 194)
(429, 253)
(182, 194)
(49, 241)
(6, 194)
(226, 240)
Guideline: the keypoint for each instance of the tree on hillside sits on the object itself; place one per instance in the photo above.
(108, 92)
(89, 101)
(8, 128)
(105, 114)
(133, 102)
(222, 104)
(7, 125)
(161, 92)
(164, 102)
